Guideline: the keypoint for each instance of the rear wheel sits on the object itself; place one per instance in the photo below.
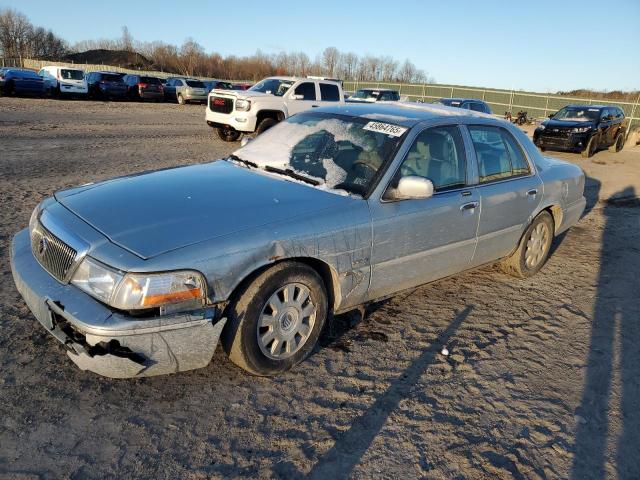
(275, 321)
(590, 149)
(533, 249)
(265, 125)
(228, 135)
(618, 144)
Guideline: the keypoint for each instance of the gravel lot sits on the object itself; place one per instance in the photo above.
(542, 380)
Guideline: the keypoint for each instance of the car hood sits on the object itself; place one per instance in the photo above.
(153, 213)
(551, 123)
(242, 93)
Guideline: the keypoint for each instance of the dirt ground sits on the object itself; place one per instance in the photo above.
(542, 379)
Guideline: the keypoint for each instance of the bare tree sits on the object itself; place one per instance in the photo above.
(126, 41)
(330, 58)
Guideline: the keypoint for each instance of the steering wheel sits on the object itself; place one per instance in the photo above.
(364, 164)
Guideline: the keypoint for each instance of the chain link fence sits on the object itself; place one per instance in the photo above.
(537, 106)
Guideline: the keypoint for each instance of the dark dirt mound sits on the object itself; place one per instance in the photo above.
(120, 58)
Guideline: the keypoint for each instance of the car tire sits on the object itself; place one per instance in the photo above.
(533, 249)
(228, 135)
(618, 143)
(590, 149)
(181, 99)
(265, 125)
(264, 341)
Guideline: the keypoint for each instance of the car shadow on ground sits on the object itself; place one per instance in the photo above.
(614, 353)
(349, 447)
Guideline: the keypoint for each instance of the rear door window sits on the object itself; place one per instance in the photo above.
(307, 90)
(499, 155)
(329, 92)
(477, 107)
(195, 84)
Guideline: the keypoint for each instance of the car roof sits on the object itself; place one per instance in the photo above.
(378, 89)
(599, 107)
(456, 99)
(406, 114)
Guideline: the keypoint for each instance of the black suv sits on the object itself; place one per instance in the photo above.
(583, 128)
(468, 103)
(106, 85)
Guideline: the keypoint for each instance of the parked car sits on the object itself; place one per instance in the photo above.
(64, 81)
(232, 113)
(106, 85)
(374, 95)
(20, 81)
(143, 87)
(467, 103)
(185, 90)
(583, 128)
(219, 84)
(241, 86)
(331, 209)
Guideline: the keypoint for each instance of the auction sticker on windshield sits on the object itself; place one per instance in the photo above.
(393, 130)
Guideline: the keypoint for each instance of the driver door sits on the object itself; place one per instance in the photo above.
(419, 240)
(308, 98)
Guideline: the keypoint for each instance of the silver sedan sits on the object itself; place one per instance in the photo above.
(329, 210)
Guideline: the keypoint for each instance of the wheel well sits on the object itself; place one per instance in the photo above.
(277, 115)
(556, 214)
(328, 276)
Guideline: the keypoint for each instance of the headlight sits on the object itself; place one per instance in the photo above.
(33, 220)
(580, 129)
(542, 126)
(243, 105)
(135, 291)
(96, 279)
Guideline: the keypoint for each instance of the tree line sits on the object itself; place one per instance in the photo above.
(19, 38)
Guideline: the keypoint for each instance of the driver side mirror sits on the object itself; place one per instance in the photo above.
(551, 115)
(413, 188)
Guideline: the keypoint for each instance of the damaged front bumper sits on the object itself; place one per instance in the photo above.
(110, 343)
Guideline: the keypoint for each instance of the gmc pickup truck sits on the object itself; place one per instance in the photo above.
(234, 112)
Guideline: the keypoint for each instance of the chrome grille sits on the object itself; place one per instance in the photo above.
(53, 254)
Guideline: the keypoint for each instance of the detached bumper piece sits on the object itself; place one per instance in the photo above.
(107, 342)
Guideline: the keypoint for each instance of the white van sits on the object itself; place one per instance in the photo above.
(64, 80)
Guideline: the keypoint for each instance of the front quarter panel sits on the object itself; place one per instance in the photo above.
(340, 238)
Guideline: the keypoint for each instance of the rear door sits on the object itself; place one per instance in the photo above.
(419, 240)
(329, 93)
(509, 191)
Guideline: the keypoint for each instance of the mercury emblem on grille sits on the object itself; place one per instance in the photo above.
(42, 246)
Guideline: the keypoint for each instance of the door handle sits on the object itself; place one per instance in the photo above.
(315, 106)
(468, 206)
(533, 192)
(466, 193)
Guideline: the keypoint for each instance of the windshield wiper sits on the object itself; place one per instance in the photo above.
(248, 163)
(290, 173)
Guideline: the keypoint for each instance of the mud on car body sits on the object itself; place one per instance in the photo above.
(331, 209)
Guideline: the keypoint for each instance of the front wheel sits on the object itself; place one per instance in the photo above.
(590, 149)
(181, 99)
(274, 321)
(265, 125)
(533, 249)
(228, 135)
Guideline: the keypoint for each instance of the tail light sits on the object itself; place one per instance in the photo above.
(143, 85)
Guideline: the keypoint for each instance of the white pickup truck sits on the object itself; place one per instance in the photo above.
(234, 112)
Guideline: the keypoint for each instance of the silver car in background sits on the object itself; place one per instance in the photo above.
(185, 90)
(330, 209)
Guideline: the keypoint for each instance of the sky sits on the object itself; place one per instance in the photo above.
(536, 45)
